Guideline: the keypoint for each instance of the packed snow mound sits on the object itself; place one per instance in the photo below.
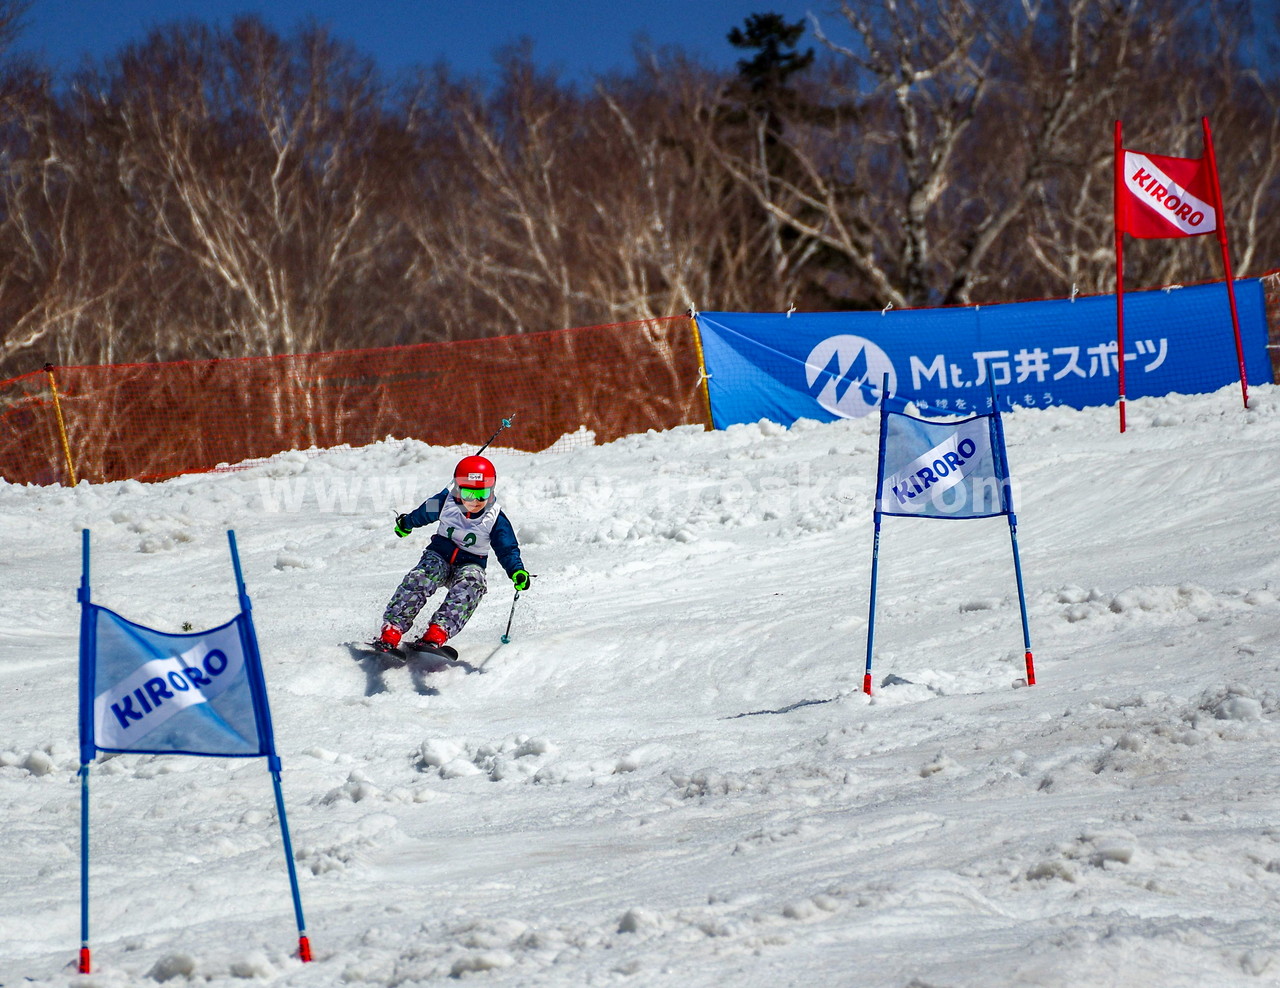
(671, 770)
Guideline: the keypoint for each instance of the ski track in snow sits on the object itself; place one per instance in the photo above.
(592, 809)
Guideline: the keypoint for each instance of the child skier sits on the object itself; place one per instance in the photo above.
(470, 524)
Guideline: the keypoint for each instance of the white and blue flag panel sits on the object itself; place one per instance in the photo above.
(941, 469)
(830, 365)
(149, 691)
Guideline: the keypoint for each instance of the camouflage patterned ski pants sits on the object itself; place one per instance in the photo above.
(466, 585)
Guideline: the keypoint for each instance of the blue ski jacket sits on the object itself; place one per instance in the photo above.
(502, 537)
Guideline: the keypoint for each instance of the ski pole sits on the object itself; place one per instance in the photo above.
(506, 635)
(506, 424)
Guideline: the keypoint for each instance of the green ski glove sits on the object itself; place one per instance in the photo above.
(521, 579)
(403, 527)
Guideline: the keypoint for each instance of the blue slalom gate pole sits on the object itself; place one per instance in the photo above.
(1022, 602)
(1006, 492)
(85, 758)
(871, 618)
(875, 549)
(304, 944)
(267, 735)
(84, 869)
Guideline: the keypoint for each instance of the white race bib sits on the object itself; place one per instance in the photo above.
(468, 534)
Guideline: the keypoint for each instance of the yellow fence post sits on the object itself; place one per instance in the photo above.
(62, 425)
(704, 377)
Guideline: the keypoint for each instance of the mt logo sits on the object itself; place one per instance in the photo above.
(845, 374)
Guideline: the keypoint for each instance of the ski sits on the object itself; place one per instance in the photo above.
(388, 656)
(423, 647)
(422, 655)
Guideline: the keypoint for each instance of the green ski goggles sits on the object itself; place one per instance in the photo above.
(475, 493)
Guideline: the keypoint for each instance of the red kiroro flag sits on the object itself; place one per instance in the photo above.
(1159, 196)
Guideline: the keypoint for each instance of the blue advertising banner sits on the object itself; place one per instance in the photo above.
(830, 365)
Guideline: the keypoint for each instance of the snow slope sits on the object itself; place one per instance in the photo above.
(593, 809)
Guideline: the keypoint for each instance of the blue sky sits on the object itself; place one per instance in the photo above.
(576, 37)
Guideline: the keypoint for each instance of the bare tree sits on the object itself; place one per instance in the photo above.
(58, 284)
(255, 158)
(668, 231)
(975, 162)
(11, 14)
(212, 193)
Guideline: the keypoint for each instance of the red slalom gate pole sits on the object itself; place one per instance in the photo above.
(1115, 219)
(1226, 257)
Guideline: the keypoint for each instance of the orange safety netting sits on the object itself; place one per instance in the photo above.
(150, 421)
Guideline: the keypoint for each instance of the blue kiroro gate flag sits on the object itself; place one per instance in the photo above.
(182, 693)
(940, 469)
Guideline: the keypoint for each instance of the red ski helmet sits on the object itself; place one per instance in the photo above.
(475, 473)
